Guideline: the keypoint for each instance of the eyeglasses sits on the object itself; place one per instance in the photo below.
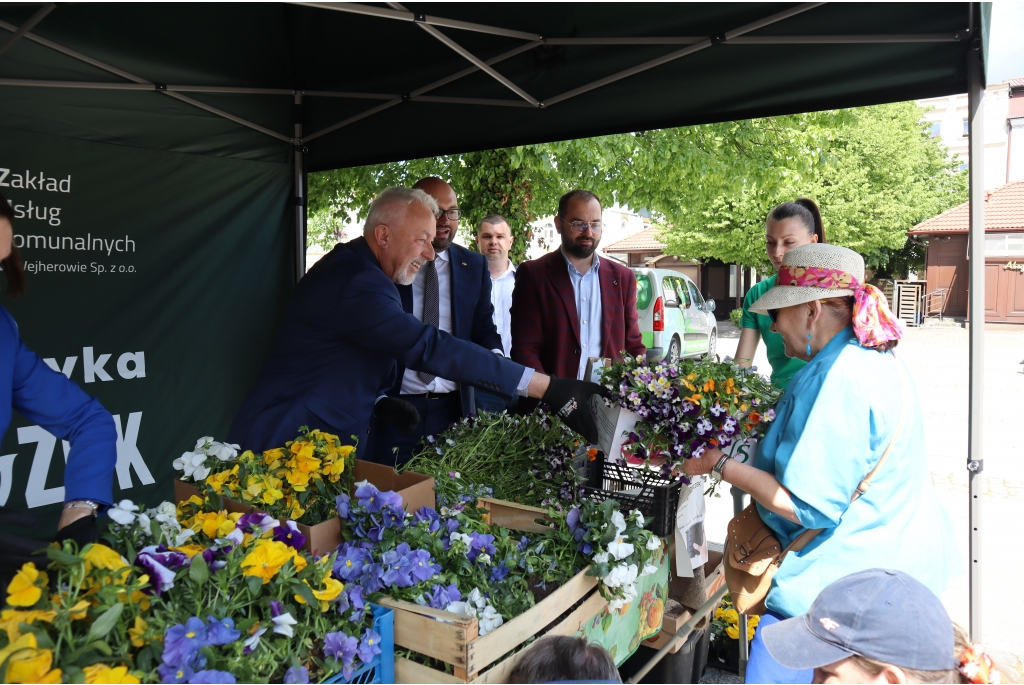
(580, 226)
(773, 314)
(453, 214)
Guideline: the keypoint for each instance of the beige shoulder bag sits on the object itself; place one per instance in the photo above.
(753, 554)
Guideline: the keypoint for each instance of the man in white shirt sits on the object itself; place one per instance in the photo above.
(453, 292)
(494, 240)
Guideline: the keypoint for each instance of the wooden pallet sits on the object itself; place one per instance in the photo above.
(454, 638)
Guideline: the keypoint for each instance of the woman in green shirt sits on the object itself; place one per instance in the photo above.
(789, 225)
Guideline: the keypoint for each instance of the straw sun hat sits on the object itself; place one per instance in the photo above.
(813, 272)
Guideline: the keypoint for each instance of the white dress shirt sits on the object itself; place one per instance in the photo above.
(501, 299)
(587, 292)
(412, 384)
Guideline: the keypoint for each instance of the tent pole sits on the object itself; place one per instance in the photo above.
(26, 27)
(300, 193)
(976, 311)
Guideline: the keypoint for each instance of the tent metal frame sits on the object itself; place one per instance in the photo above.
(432, 25)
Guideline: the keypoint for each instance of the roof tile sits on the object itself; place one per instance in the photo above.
(1004, 211)
(645, 240)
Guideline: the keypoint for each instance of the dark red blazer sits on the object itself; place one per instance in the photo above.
(546, 328)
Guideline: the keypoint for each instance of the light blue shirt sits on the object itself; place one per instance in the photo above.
(587, 290)
(833, 423)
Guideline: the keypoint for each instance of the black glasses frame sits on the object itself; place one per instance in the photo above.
(454, 214)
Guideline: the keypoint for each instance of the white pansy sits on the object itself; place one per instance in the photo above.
(254, 640)
(489, 620)
(463, 608)
(648, 570)
(184, 535)
(200, 473)
(484, 559)
(283, 624)
(638, 517)
(601, 558)
(620, 548)
(143, 521)
(619, 521)
(223, 451)
(621, 576)
(653, 543)
(123, 512)
(461, 537)
(202, 442)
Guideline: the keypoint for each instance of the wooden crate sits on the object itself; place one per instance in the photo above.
(454, 638)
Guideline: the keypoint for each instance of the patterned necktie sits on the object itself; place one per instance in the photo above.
(431, 307)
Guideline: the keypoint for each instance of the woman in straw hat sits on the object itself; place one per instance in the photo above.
(837, 418)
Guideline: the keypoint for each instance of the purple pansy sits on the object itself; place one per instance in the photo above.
(221, 632)
(289, 534)
(256, 522)
(212, 677)
(182, 641)
(296, 675)
(161, 578)
(340, 646)
(369, 646)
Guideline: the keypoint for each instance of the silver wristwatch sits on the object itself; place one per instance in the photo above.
(83, 504)
(716, 471)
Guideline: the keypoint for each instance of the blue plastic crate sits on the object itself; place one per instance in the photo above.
(382, 668)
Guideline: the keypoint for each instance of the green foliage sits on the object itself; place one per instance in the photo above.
(875, 171)
(880, 173)
(735, 316)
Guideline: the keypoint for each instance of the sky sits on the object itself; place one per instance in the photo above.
(1006, 46)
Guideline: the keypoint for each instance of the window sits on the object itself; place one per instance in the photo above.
(967, 127)
(668, 286)
(643, 292)
(732, 280)
(936, 129)
(963, 167)
(683, 295)
(697, 297)
(1004, 245)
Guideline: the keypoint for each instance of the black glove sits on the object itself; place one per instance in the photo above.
(82, 531)
(570, 400)
(398, 413)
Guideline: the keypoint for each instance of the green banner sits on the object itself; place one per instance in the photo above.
(155, 281)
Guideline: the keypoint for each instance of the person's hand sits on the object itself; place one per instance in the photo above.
(569, 399)
(82, 531)
(702, 465)
(398, 413)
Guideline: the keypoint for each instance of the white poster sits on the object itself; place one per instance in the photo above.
(691, 542)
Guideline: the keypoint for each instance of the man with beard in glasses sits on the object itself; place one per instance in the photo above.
(344, 332)
(571, 305)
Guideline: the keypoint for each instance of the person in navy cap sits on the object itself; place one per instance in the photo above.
(878, 626)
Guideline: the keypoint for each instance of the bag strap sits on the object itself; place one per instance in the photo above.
(805, 537)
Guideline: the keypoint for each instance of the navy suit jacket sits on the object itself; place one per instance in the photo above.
(49, 399)
(337, 349)
(472, 311)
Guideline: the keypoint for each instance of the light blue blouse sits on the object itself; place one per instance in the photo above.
(833, 423)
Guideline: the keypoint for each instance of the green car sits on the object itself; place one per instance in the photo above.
(675, 320)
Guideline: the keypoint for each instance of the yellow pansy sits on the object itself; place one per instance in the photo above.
(709, 385)
(274, 457)
(213, 524)
(296, 511)
(79, 611)
(28, 664)
(102, 673)
(24, 590)
(732, 616)
(733, 632)
(332, 588)
(266, 559)
(189, 550)
(303, 449)
(10, 618)
(218, 480)
(138, 632)
(101, 556)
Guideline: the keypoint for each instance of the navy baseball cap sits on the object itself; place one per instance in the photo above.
(880, 614)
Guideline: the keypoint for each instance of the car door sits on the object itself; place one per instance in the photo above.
(701, 322)
(675, 313)
(686, 308)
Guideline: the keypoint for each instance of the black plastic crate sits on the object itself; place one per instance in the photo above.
(656, 498)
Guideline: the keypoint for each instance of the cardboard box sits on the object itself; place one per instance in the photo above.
(416, 489)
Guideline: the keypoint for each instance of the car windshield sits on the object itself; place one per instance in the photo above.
(643, 291)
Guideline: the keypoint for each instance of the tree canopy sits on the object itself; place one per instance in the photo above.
(875, 171)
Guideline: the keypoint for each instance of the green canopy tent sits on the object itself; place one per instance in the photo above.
(263, 93)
